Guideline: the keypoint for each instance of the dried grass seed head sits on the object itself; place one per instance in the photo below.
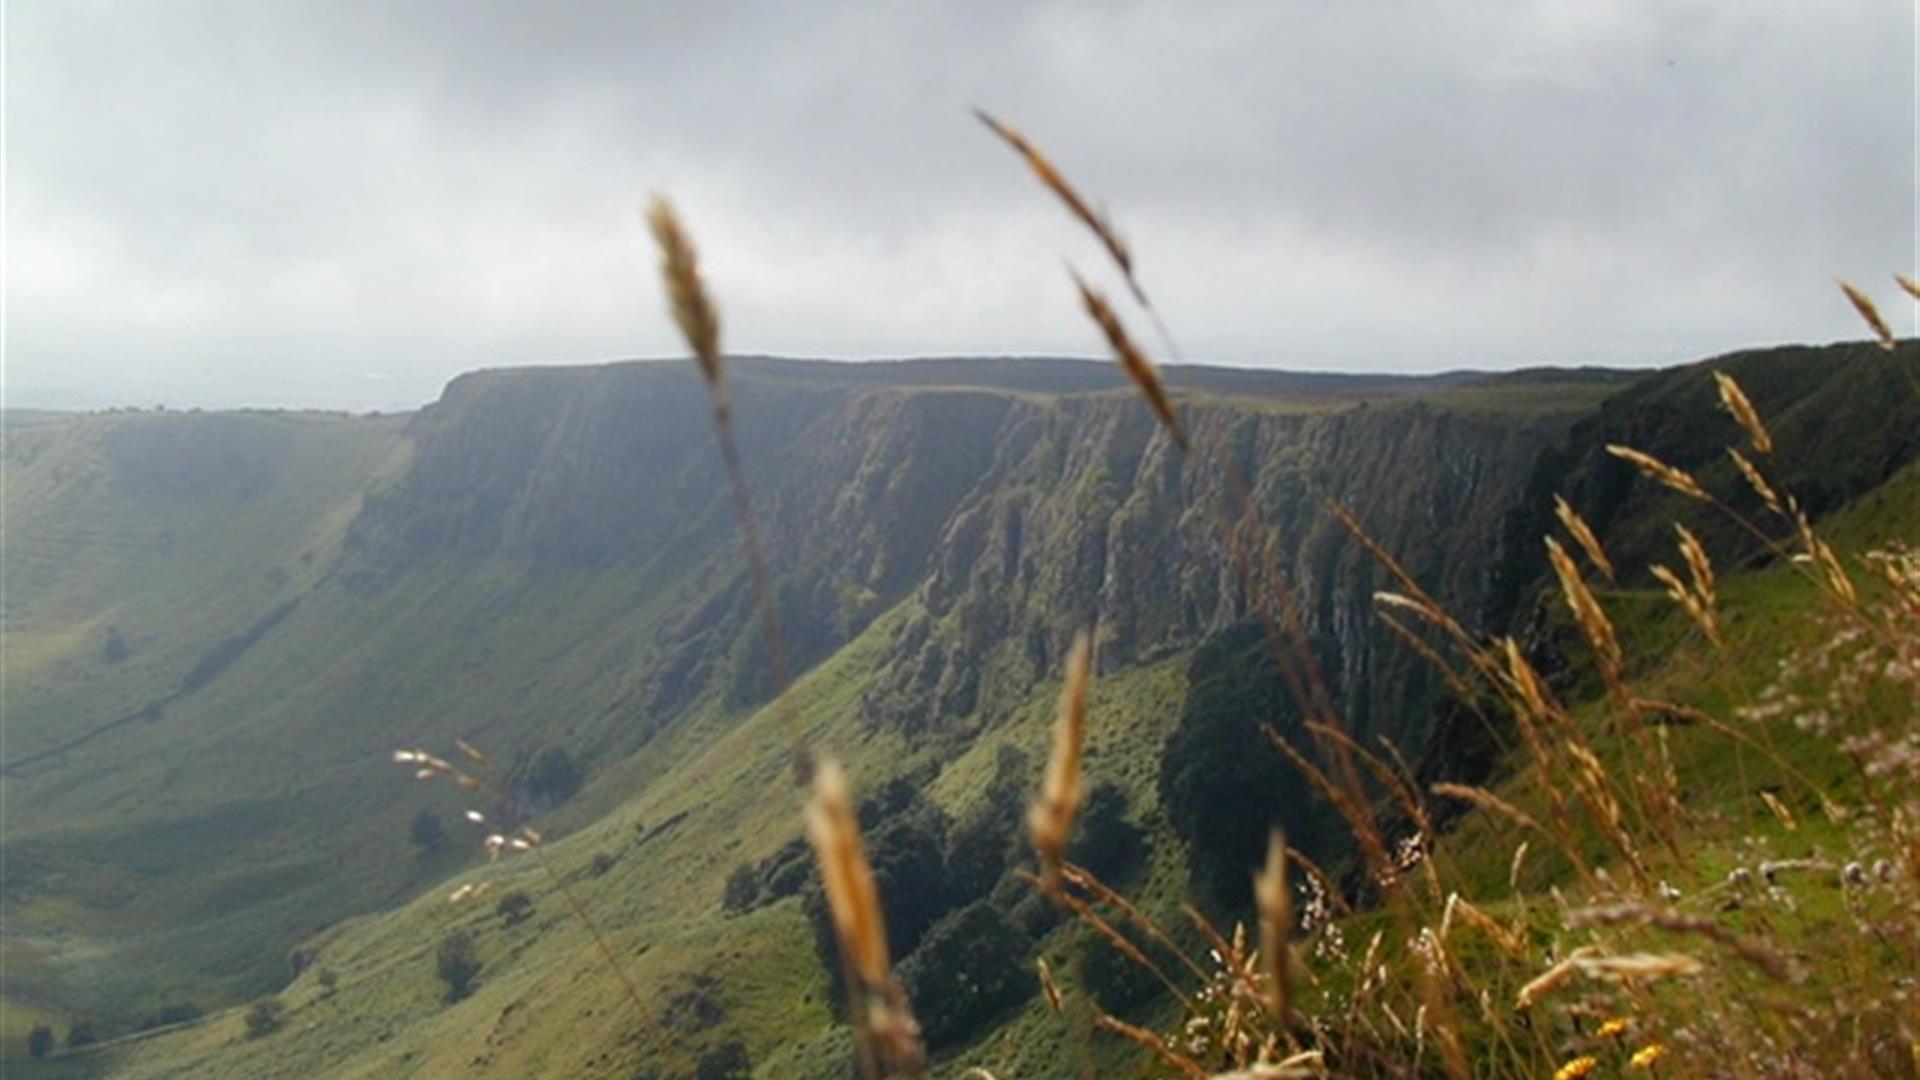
(1274, 898)
(687, 298)
(1698, 564)
(1757, 482)
(1735, 401)
(1583, 535)
(1677, 479)
(853, 900)
(1044, 170)
(1586, 609)
(1640, 967)
(1052, 814)
(1882, 333)
(1135, 362)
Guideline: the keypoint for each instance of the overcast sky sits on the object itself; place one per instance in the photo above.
(344, 204)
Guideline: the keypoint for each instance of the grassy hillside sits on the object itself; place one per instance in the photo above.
(165, 533)
(546, 558)
(1788, 881)
(137, 545)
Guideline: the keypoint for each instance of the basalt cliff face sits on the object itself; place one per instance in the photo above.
(1008, 516)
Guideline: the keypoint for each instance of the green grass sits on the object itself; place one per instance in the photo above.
(1768, 615)
(545, 994)
(176, 530)
(180, 857)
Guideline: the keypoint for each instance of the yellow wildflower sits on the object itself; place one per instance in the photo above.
(1613, 1027)
(1644, 1057)
(1577, 1068)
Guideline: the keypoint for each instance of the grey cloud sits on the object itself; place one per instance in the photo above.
(240, 202)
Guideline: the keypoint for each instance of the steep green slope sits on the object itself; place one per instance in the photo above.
(547, 558)
(144, 553)
(135, 542)
(544, 1002)
(1846, 418)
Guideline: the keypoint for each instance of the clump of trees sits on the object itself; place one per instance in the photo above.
(40, 1041)
(166, 1015)
(969, 967)
(1105, 841)
(961, 922)
(695, 1006)
(515, 907)
(265, 1018)
(1109, 976)
(780, 875)
(552, 777)
(1223, 785)
(457, 962)
(426, 832)
(728, 1061)
(742, 891)
(990, 838)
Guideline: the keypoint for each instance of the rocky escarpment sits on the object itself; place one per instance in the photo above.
(1090, 513)
(1012, 503)
(1011, 517)
(559, 472)
(1843, 419)
(997, 508)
